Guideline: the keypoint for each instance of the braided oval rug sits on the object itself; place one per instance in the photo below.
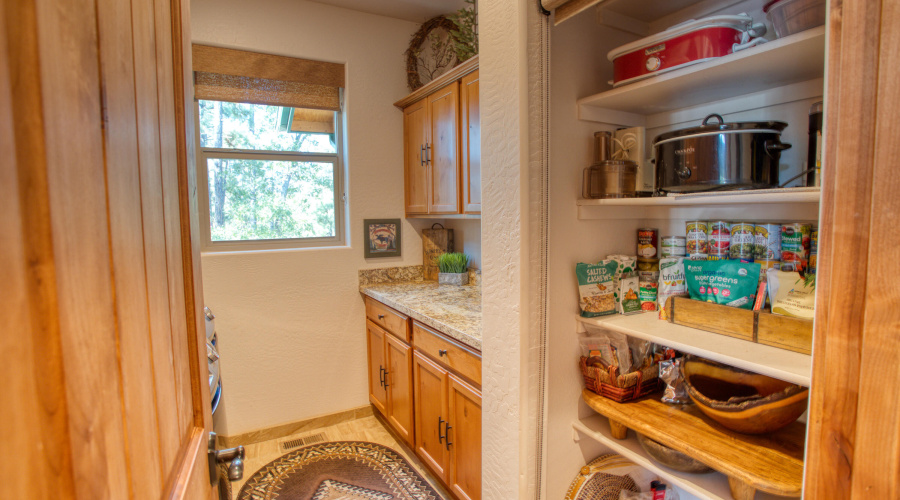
(339, 470)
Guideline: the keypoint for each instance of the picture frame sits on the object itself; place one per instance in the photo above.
(381, 238)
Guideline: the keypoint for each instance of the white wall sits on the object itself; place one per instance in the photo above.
(291, 323)
(466, 238)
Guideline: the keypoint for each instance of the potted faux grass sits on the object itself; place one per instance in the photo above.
(453, 269)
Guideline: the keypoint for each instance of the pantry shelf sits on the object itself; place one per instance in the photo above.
(770, 463)
(786, 69)
(801, 203)
(785, 365)
(710, 486)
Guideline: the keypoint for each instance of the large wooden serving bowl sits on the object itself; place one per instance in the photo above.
(740, 400)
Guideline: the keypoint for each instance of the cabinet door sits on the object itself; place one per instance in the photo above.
(399, 386)
(415, 129)
(430, 381)
(464, 437)
(443, 110)
(471, 145)
(375, 342)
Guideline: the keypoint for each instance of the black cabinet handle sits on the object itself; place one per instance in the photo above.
(427, 153)
(381, 376)
(440, 436)
(447, 434)
(381, 316)
(422, 155)
(442, 352)
(385, 379)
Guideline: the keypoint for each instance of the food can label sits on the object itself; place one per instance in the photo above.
(795, 241)
(814, 242)
(742, 241)
(698, 256)
(696, 237)
(768, 242)
(648, 243)
(765, 265)
(813, 258)
(719, 238)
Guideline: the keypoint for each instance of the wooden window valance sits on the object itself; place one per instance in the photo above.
(566, 9)
(240, 76)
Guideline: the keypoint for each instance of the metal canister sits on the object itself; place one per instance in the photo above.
(795, 241)
(768, 242)
(743, 240)
(718, 235)
(695, 241)
(672, 246)
(648, 243)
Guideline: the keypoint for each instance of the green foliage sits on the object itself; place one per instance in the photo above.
(453, 262)
(266, 197)
(465, 36)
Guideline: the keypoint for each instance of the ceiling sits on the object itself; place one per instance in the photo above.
(417, 11)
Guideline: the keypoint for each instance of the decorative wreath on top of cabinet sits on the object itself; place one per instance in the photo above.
(434, 58)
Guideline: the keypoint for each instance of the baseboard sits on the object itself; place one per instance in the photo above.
(289, 429)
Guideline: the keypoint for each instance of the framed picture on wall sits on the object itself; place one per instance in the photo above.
(382, 238)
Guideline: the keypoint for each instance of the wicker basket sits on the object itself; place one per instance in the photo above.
(620, 388)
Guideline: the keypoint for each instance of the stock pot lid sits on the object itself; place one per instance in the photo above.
(712, 128)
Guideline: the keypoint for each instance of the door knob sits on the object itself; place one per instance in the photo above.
(442, 352)
(234, 455)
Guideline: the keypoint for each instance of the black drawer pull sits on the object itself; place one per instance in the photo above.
(442, 352)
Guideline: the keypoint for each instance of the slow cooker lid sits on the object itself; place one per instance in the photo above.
(712, 128)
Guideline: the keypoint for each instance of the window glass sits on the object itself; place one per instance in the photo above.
(230, 125)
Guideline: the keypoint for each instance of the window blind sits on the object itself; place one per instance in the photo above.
(232, 75)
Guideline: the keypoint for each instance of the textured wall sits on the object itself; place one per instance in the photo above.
(291, 323)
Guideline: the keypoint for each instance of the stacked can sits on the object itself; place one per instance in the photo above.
(813, 250)
(648, 284)
(696, 239)
(795, 243)
(718, 235)
(648, 249)
(743, 241)
(672, 246)
(767, 247)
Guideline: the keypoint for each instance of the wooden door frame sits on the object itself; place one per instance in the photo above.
(853, 441)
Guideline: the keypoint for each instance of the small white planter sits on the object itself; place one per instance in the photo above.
(458, 279)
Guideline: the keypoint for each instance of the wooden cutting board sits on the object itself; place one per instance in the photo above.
(434, 243)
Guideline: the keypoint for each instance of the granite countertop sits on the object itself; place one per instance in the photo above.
(452, 310)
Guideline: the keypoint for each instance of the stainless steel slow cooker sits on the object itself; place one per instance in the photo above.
(738, 155)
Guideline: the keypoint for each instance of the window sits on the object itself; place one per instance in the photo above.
(268, 163)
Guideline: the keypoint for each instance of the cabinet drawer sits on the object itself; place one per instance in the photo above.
(448, 353)
(387, 318)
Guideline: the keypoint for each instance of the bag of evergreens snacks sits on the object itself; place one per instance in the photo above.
(727, 282)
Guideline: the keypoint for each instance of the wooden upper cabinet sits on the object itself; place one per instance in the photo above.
(442, 144)
(416, 127)
(471, 144)
(442, 150)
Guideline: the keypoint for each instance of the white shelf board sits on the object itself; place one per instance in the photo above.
(785, 365)
(711, 486)
(772, 65)
(799, 203)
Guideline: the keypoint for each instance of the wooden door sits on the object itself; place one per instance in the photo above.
(443, 111)
(430, 399)
(105, 375)
(375, 345)
(415, 131)
(854, 436)
(471, 144)
(464, 405)
(399, 385)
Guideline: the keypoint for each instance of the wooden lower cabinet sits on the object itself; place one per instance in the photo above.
(448, 427)
(390, 381)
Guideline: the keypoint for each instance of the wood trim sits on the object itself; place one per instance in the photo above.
(284, 430)
(235, 62)
(571, 9)
(454, 74)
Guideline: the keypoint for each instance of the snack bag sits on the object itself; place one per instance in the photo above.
(627, 299)
(726, 282)
(671, 282)
(596, 287)
(791, 294)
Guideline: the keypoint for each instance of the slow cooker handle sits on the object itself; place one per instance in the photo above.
(777, 146)
(716, 116)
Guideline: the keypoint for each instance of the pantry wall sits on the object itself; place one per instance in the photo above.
(579, 68)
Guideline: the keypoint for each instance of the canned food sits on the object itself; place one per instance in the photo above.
(765, 265)
(648, 265)
(718, 238)
(647, 293)
(648, 243)
(717, 257)
(814, 241)
(795, 242)
(743, 240)
(812, 263)
(796, 265)
(672, 246)
(699, 256)
(648, 276)
(768, 242)
(696, 237)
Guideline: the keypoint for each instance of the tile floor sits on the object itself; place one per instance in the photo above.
(368, 428)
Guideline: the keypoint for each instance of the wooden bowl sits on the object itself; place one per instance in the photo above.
(671, 458)
(740, 400)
